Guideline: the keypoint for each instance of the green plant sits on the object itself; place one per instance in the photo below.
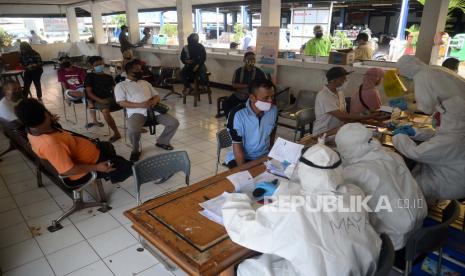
(169, 30)
(5, 38)
(238, 32)
(414, 30)
(119, 20)
(340, 41)
(453, 6)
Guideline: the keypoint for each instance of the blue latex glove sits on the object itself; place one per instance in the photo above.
(401, 103)
(269, 188)
(391, 126)
(407, 130)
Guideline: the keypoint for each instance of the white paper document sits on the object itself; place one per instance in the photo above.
(242, 181)
(212, 208)
(284, 150)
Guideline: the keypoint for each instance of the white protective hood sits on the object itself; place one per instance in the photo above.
(440, 171)
(435, 84)
(299, 241)
(409, 66)
(381, 173)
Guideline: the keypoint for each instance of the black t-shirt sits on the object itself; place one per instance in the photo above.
(101, 84)
(244, 76)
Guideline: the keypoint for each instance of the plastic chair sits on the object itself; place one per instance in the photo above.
(160, 167)
(223, 140)
(431, 238)
(78, 203)
(302, 112)
(283, 98)
(386, 256)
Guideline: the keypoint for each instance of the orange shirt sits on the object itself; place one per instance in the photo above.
(64, 150)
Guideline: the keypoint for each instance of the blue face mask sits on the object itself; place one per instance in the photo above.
(99, 68)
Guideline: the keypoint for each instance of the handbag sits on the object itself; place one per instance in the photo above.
(161, 108)
(151, 121)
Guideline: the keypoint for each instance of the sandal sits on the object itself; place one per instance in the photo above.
(114, 139)
(165, 147)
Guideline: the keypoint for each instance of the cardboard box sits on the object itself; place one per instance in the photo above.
(341, 58)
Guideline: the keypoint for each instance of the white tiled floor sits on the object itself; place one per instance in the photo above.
(92, 243)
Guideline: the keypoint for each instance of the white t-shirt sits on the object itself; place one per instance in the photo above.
(327, 101)
(7, 110)
(135, 92)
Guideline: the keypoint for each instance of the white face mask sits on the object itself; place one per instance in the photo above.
(263, 106)
(342, 87)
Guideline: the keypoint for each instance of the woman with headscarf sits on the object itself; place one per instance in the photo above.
(366, 99)
(32, 64)
(193, 57)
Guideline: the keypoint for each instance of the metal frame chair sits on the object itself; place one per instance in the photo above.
(431, 238)
(78, 203)
(223, 140)
(160, 167)
(70, 102)
(386, 256)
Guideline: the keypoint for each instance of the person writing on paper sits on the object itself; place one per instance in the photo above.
(366, 99)
(319, 45)
(440, 169)
(252, 125)
(297, 241)
(330, 104)
(379, 172)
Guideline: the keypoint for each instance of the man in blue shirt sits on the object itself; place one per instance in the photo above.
(252, 125)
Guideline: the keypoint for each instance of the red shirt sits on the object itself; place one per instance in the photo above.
(72, 79)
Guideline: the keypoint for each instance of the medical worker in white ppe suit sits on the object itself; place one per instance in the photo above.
(440, 171)
(303, 241)
(382, 173)
(431, 84)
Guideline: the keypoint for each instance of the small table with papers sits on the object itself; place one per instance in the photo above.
(173, 225)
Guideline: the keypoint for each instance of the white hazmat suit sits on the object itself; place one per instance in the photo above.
(382, 173)
(299, 241)
(440, 171)
(432, 84)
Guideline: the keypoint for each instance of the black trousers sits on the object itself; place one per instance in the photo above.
(31, 76)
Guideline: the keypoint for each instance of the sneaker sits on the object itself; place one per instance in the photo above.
(134, 156)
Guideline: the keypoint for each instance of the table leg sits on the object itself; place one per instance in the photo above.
(228, 272)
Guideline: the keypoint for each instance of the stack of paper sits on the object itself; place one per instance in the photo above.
(242, 181)
(275, 168)
(286, 151)
(212, 208)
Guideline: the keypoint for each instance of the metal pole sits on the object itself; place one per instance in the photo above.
(402, 20)
(217, 26)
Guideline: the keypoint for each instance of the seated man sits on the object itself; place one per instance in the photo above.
(298, 238)
(72, 81)
(137, 95)
(252, 125)
(193, 56)
(379, 172)
(242, 79)
(71, 155)
(440, 168)
(99, 88)
(12, 96)
(330, 104)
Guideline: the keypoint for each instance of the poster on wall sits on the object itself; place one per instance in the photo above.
(267, 50)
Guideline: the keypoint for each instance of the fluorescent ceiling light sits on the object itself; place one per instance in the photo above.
(381, 5)
(366, 9)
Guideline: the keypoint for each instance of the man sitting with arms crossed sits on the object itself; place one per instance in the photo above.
(137, 95)
(99, 88)
(70, 155)
(72, 81)
(252, 125)
(242, 79)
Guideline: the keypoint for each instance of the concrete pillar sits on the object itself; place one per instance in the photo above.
(234, 18)
(342, 20)
(72, 24)
(132, 17)
(184, 11)
(225, 21)
(433, 21)
(271, 13)
(250, 20)
(99, 33)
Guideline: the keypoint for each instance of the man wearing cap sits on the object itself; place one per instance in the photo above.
(319, 45)
(330, 104)
(364, 50)
(124, 40)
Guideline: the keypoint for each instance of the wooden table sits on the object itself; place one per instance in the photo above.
(173, 224)
(12, 74)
